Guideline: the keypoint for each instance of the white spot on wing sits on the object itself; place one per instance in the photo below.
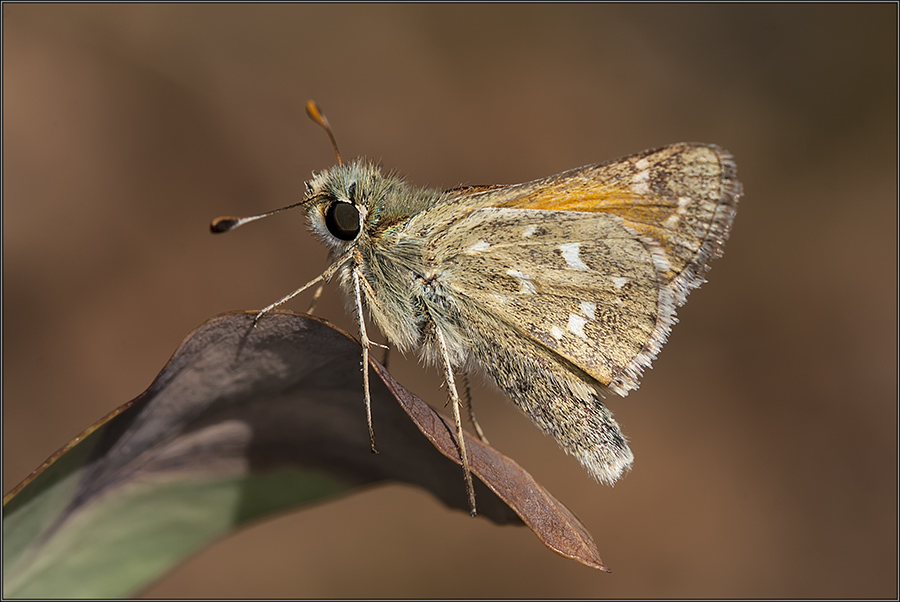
(570, 252)
(529, 231)
(660, 260)
(642, 164)
(640, 183)
(619, 281)
(672, 221)
(524, 280)
(576, 326)
(557, 332)
(478, 247)
(588, 308)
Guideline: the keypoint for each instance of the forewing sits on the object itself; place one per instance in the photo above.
(682, 197)
(591, 263)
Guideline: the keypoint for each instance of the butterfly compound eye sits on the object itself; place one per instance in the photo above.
(342, 220)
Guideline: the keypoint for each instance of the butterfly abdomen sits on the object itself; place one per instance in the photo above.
(561, 404)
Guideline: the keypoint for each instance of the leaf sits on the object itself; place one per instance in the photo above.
(551, 521)
(241, 423)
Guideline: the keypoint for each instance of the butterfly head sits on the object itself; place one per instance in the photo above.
(339, 201)
(356, 203)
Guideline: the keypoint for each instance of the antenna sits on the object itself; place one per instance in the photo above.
(227, 223)
(312, 109)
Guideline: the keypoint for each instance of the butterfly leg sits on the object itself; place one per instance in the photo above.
(323, 277)
(365, 354)
(467, 396)
(315, 298)
(286, 298)
(454, 397)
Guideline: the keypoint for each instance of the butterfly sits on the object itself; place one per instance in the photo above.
(560, 290)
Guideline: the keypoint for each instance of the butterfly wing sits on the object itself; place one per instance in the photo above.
(563, 285)
(591, 264)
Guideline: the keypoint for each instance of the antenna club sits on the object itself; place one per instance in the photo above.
(312, 109)
(223, 224)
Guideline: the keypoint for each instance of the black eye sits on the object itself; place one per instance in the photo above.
(342, 220)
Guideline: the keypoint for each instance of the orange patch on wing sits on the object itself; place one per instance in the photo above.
(646, 214)
(588, 196)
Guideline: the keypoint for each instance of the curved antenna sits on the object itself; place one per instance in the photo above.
(312, 109)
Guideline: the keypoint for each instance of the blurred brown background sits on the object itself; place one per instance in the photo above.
(765, 437)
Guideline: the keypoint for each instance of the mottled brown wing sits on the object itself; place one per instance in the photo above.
(592, 263)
